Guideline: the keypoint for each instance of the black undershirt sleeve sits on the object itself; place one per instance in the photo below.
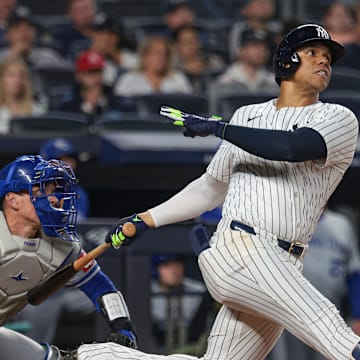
(294, 146)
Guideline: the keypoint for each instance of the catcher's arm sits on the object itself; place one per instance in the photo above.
(58, 279)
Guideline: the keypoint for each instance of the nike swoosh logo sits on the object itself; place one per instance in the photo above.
(235, 227)
(254, 117)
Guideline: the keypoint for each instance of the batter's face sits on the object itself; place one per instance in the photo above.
(314, 72)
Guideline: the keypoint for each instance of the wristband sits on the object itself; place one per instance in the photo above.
(113, 306)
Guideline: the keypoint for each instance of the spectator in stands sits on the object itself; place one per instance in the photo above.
(6, 8)
(21, 35)
(109, 40)
(16, 96)
(178, 13)
(156, 73)
(63, 149)
(174, 303)
(356, 9)
(249, 73)
(344, 24)
(192, 59)
(339, 21)
(89, 96)
(74, 38)
(256, 15)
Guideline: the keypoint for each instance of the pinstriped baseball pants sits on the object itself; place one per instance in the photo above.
(262, 291)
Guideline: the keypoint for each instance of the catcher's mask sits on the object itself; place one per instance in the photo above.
(53, 194)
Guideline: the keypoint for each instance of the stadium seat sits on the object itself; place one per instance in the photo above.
(141, 27)
(350, 99)
(56, 95)
(132, 8)
(51, 77)
(227, 104)
(150, 104)
(53, 122)
(344, 79)
(136, 122)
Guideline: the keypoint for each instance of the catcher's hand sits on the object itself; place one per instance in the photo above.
(195, 125)
(116, 236)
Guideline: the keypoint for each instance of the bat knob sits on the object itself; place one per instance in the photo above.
(129, 229)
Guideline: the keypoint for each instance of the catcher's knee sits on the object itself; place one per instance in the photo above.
(53, 353)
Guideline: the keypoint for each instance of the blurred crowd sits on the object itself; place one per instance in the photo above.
(94, 63)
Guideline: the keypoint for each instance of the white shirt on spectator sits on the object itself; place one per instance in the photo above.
(264, 80)
(5, 116)
(39, 57)
(136, 83)
(129, 61)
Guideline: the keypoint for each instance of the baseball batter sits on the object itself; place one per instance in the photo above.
(37, 228)
(274, 173)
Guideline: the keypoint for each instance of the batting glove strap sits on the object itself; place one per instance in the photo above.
(196, 126)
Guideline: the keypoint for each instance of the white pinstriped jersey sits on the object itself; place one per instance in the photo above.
(279, 197)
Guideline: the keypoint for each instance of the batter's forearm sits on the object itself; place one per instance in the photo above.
(147, 218)
(203, 194)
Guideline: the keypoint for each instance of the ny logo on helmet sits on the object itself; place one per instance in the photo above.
(322, 33)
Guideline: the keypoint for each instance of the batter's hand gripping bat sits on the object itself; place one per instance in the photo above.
(58, 279)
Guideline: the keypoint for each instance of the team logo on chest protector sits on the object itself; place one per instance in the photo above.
(19, 276)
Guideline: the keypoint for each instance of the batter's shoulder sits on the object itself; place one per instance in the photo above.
(336, 108)
(332, 111)
(250, 112)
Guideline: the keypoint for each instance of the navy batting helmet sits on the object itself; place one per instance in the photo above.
(286, 61)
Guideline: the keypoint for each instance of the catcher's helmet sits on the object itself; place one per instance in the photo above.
(17, 175)
(29, 170)
(56, 221)
(286, 61)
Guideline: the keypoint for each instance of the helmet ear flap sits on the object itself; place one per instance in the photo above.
(286, 57)
(286, 63)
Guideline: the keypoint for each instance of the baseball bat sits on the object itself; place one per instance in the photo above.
(58, 279)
